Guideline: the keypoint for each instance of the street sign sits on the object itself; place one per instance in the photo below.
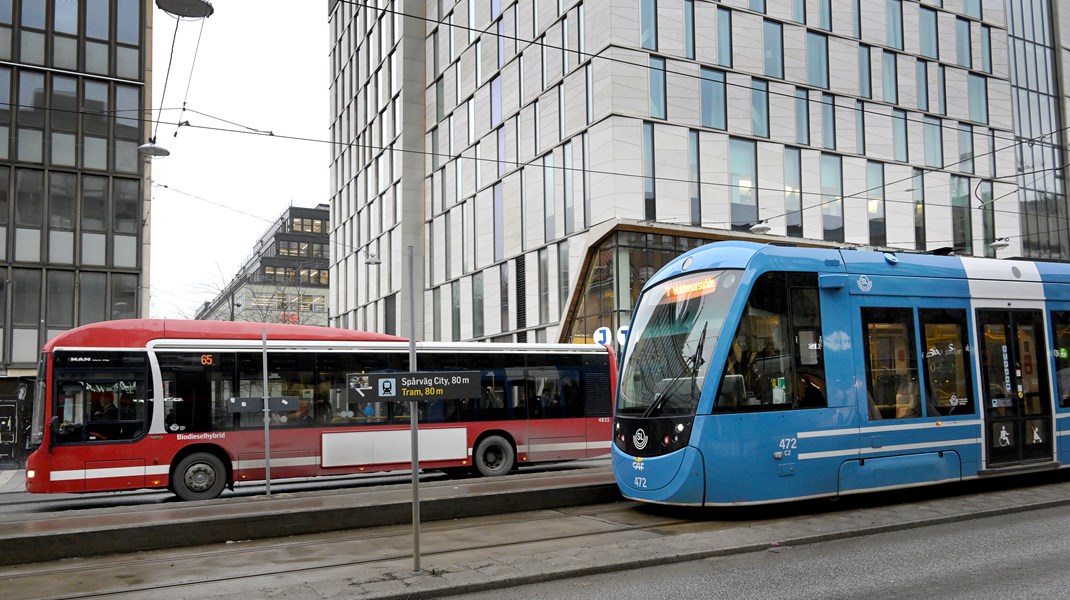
(602, 335)
(622, 335)
(422, 386)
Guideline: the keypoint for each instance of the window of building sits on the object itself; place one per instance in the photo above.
(756, 5)
(562, 277)
(759, 108)
(972, 8)
(961, 215)
(865, 75)
(860, 127)
(743, 183)
(824, 14)
(793, 191)
(802, 116)
(891, 77)
(543, 257)
(831, 198)
(548, 205)
(878, 231)
(828, 121)
(798, 11)
(988, 216)
(503, 295)
(817, 60)
(694, 177)
(899, 135)
(978, 92)
(918, 191)
(499, 223)
(934, 155)
(713, 99)
(774, 50)
(648, 24)
(689, 28)
(724, 37)
(477, 304)
(930, 39)
(963, 50)
(965, 148)
(941, 90)
(657, 87)
(649, 202)
(986, 49)
(567, 175)
(894, 21)
(921, 72)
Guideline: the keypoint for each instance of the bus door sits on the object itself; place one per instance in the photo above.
(1014, 379)
(556, 428)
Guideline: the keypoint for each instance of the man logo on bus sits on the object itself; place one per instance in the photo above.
(639, 439)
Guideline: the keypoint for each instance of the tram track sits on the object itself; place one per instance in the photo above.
(237, 561)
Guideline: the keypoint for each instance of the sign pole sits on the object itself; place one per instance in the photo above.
(267, 418)
(414, 414)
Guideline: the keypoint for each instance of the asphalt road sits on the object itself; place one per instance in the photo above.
(1020, 555)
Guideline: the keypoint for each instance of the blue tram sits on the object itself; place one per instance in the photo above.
(756, 373)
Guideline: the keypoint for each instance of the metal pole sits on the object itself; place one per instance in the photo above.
(414, 429)
(267, 418)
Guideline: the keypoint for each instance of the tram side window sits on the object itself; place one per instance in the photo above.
(891, 363)
(946, 362)
(776, 360)
(1060, 322)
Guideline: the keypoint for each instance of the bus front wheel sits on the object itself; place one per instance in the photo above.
(494, 456)
(199, 476)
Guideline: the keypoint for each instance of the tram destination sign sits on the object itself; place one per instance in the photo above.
(422, 386)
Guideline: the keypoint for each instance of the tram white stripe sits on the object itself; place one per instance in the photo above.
(79, 474)
(886, 449)
(886, 428)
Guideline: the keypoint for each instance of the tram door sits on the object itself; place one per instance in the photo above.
(1015, 386)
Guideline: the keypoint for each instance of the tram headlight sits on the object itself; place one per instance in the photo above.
(30, 473)
(680, 428)
(665, 440)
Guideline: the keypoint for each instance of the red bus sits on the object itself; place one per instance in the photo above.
(146, 403)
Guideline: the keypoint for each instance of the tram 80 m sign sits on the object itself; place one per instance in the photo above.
(426, 386)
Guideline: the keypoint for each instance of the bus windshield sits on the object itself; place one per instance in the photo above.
(670, 342)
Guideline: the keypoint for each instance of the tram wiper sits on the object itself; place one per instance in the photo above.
(693, 363)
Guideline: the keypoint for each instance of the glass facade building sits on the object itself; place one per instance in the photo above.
(579, 145)
(74, 95)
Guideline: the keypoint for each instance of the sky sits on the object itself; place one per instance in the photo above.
(258, 65)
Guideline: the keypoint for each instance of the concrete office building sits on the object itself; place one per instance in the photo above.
(75, 81)
(285, 279)
(545, 157)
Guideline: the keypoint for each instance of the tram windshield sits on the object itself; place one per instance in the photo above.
(670, 342)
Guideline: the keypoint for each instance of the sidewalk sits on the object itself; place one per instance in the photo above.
(12, 480)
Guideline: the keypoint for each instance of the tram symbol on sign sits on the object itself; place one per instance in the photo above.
(386, 387)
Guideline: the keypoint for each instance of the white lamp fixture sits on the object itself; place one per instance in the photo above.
(760, 227)
(153, 150)
(186, 9)
(371, 259)
(1000, 243)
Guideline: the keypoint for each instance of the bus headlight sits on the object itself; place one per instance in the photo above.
(30, 473)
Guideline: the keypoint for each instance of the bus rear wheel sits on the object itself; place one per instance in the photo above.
(199, 476)
(494, 456)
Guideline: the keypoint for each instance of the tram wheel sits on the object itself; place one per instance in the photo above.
(199, 476)
(494, 456)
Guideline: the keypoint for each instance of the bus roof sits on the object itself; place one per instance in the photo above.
(137, 333)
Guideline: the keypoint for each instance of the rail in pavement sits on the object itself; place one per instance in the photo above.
(38, 537)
